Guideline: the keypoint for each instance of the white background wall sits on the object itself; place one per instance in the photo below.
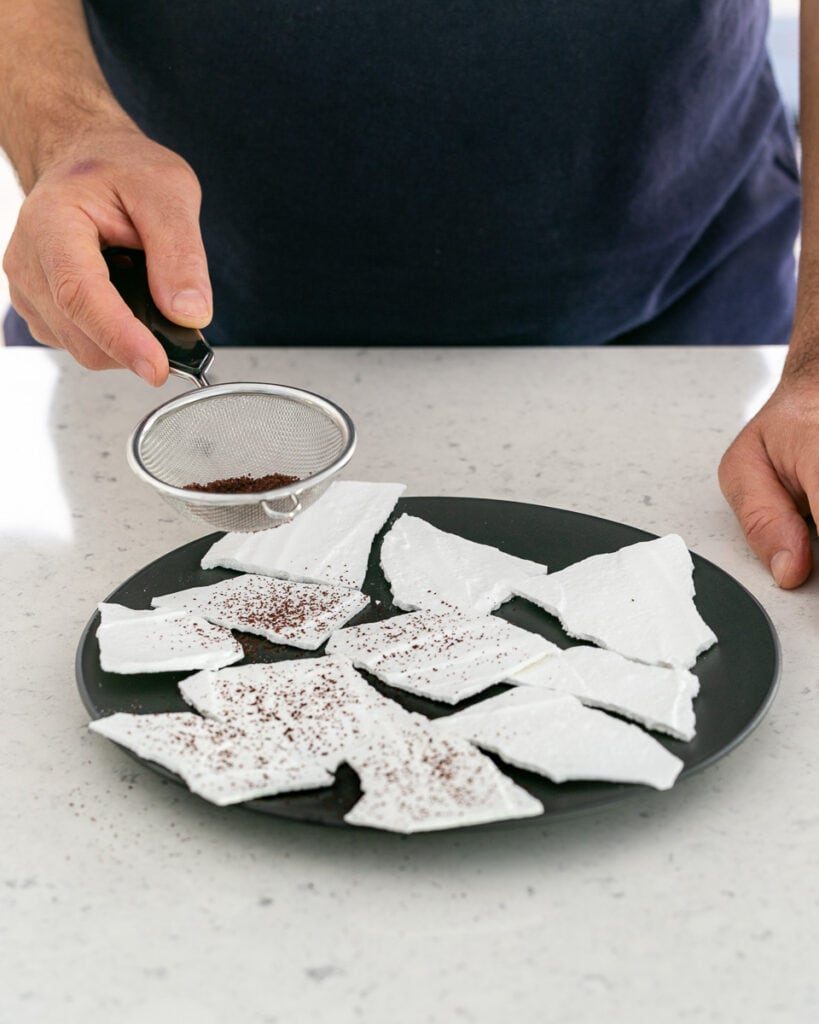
(784, 49)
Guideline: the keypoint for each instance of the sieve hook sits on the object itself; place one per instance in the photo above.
(283, 517)
(189, 355)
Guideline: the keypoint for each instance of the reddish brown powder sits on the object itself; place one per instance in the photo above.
(244, 484)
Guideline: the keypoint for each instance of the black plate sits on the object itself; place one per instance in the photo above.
(738, 676)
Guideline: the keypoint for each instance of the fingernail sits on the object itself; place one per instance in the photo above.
(190, 303)
(780, 563)
(146, 370)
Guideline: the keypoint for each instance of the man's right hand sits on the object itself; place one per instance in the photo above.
(111, 185)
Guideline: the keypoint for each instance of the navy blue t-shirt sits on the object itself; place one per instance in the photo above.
(460, 171)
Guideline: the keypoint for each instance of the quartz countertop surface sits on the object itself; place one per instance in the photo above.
(125, 898)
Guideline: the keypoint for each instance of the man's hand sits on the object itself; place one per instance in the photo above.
(93, 179)
(770, 476)
(112, 186)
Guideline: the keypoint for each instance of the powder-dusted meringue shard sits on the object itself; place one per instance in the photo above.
(417, 779)
(141, 640)
(432, 570)
(328, 543)
(658, 697)
(318, 707)
(298, 614)
(323, 712)
(554, 735)
(638, 601)
(444, 657)
(224, 763)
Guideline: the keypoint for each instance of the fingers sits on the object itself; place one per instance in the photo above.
(168, 225)
(58, 332)
(767, 512)
(83, 307)
(129, 191)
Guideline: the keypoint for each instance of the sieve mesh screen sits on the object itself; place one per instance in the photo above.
(242, 429)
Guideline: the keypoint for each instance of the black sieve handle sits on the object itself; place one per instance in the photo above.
(189, 355)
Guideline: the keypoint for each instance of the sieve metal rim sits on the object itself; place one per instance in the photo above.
(333, 411)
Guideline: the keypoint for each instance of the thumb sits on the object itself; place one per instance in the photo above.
(168, 226)
(773, 526)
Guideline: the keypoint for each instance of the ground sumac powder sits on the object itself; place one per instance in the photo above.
(244, 484)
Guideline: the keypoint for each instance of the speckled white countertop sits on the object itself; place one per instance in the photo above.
(126, 899)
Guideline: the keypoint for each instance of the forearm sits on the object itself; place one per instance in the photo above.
(51, 86)
(803, 353)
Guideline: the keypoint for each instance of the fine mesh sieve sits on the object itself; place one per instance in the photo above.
(228, 430)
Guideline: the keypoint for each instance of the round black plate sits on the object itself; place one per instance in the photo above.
(738, 676)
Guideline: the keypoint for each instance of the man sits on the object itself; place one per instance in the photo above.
(444, 171)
